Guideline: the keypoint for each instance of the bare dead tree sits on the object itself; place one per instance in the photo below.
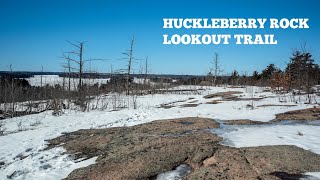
(41, 76)
(12, 92)
(129, 57)
(129, 64)
(146, 72)
(80, 62)
(216, 68)
(41, 82)
(68, 68)
(64, 79)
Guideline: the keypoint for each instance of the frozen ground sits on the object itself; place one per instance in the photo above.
(178, 173)
(52, 80)
(25, 157)
(305, 136)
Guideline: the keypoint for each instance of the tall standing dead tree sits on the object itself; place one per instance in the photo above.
(130, 58)
(12, 92)
(79, 61)
(67, 68)
(216, 68)
(146, 72)
(76, 56)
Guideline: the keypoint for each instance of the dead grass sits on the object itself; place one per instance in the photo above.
(213, 102)
(277, 105)
(243, 122)
(300, 133)
(309, 114)
(189, 105)
(222, 94)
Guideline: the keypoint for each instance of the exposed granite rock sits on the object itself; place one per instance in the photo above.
(265, 162)
(146, 150)
(243, 122)
(141, 151)
(224, 95)
(304, 114)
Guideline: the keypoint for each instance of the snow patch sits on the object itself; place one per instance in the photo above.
(176, 174)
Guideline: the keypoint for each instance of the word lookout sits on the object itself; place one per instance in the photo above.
(228, 23)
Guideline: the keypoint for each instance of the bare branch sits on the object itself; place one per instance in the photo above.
(73, 44)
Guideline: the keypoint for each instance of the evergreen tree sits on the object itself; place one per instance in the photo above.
(234, 78)
(302, 71)
(268, 71)
(256, 76)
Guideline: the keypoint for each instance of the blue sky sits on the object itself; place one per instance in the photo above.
(34, 33)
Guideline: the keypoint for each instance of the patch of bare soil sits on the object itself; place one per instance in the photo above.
(243, 122)
(189, 105)
(213, 102)
(236, 98)
(309, 114)
(146, 150)
(178, 91)
(166, 106)
(222, 94)
(236, 87)
(230, 96)
(171, 104)
(277, 105)
(249, 99)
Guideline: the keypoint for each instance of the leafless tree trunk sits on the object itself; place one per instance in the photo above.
(146, 72)
(41, 76)
(80, 63)
(12, 92)
(80, 68)
(130, 58)
(68, 69)
(216, 68)
(129, 65)
(69, 78)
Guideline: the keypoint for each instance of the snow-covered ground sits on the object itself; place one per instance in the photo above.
(149, 82)
(178, 173)
(25, 158)
(303, 135)
(51, 80)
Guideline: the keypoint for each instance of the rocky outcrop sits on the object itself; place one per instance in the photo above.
(266, 162)
(223, 95)
(230, 96)
(146, 150)
(243, 122)
(304, 114)
(141, 151)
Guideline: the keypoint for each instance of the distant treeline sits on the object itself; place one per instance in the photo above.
(25, 74)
